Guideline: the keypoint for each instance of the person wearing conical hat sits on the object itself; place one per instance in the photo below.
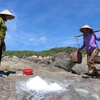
(4, 16)
(91, 47)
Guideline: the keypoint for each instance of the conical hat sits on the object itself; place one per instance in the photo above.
(8, 14)
(86, 26)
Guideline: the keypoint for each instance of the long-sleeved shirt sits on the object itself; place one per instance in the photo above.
(89, 42)
(3, 29)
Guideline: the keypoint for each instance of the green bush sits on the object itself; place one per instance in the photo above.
(50, 52)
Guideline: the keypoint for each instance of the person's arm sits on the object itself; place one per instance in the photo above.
(0, 26)
(4, 46)
(97, 37)
(82, 47)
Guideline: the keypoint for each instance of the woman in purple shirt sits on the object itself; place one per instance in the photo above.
(89, 43)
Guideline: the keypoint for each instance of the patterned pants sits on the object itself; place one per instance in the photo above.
(90, 62)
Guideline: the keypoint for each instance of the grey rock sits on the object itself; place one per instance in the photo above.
(62, 60)
(81, 68)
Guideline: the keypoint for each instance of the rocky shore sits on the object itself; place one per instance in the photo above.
(58, 69)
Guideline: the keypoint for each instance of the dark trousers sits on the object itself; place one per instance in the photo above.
(0, 53)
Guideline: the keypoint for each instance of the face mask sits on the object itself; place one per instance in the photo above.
(85, 33)
(4, 17)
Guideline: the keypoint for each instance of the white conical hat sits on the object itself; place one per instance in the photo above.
(86, 26)
(8, 14)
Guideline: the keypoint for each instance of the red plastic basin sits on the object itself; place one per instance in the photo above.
(28, 71)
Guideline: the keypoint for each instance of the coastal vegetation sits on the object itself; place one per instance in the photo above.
(51, 52)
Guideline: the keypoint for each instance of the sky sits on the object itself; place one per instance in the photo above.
(44, 24)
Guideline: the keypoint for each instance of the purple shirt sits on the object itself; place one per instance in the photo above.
(90, 42)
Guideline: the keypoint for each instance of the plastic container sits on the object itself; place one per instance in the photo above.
(28, 71)
(77, 57)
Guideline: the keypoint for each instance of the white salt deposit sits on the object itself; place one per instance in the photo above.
(39, 84)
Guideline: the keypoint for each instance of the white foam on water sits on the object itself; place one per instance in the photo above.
(38, 84)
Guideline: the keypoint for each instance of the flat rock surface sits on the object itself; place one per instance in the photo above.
(74, 87)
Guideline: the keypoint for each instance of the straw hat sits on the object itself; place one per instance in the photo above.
(86, 26)
(8, 14)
